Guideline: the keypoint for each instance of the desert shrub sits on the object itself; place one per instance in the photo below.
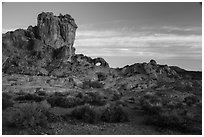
(56, 101)
(6, 103)
(40, 92)
(96, 84)
(182, 120)
(114, 113)
(12, 79)
(80, 95)
(91, 114)
(167, 118)
(27, 115)
(191, 100)
(151, 103)
(116, 96)
(6, 95)
(62, 94)
(94, 98)
(171, 113)
(65, 102)
(174, 105)
(86, 84)
(6, 100)
(21, 92)
(86, 113)
(52, 118)
(29, 97)
(91, 84)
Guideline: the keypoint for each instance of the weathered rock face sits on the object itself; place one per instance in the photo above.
(152, 69)
(56, 31)
(51, 39)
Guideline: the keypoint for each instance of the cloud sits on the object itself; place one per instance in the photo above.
(172, 28)
(179, 30)
(121, 42)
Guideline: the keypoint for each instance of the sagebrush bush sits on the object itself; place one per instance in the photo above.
(191, 100)
(173, 118)
(151, 104)
(62, 94)
(21, 92)
(6, 95)
(29, 97)
(92, 84)
(177, 119)
(116, 96)
(40, 92)
(173, 113)
(87, 113)
(64, 102)
(94, 98)
(92, 114)
(6, 103)
(114, 113)
(26, 115)
(6, 100)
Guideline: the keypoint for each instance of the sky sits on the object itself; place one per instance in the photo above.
(124, 33)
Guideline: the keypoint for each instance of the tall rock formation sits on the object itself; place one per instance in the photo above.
(52, 38)
(51, 31)
(57, 31)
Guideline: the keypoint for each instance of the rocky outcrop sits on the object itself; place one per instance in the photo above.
(53, 32)
(152, 69)
(38, 46)
(100, 62)
(47, 49)
(56, 31)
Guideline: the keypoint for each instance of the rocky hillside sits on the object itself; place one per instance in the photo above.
(45, 83)
(32, 51)
(47, 50)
